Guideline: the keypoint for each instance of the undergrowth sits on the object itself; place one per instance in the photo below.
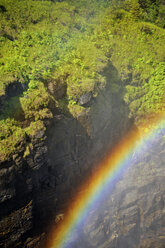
(51, 47)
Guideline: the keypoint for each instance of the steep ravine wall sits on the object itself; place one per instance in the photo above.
(33, 189)
(132, 214)
(76, 146)
(37, 188)
(22, 182)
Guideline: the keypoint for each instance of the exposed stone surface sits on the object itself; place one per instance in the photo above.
(75, 146)
(15, 225)
(133, 211)
(25, 190)
(85, 98)
(58, 162)
(35, 189)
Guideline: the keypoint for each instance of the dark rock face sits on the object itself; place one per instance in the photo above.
(76, 146)
(33, 189)
(14, 226)
(133, 211)
(36, 188)
(24, 187)
(85, 98)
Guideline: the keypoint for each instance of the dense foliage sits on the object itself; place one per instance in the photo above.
(64, 46)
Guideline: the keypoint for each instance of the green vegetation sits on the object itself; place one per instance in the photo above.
(58, 51)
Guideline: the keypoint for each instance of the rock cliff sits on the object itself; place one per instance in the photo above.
(66, 67)
(36, 187)
(133, 212)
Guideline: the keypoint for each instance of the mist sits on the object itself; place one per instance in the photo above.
(130, 212)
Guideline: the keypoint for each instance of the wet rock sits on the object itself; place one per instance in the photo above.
(14, 226)
(133, 213)
(57, 164)
(27, 189)
(35, 242)
(85, 98)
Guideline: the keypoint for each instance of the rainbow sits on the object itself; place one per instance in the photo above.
(113, 165)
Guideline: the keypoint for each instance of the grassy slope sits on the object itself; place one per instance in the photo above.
(70, 43)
